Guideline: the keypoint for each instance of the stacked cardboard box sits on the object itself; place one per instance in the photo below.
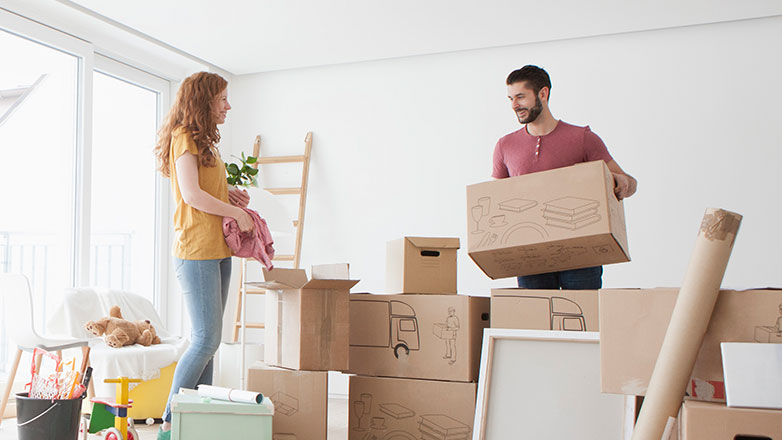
(307, 331)
(415, 353)
(633, 323)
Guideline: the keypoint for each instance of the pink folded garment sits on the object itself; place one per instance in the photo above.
(256, 244)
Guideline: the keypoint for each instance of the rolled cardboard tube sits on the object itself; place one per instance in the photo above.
(689, 322)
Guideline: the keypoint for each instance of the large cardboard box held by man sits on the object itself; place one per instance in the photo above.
(392, 408)
(715, 421)
(633, 323)
(572, 310)
(417, 336)
(421, 265)
(300, 400)
(307, 322)
(566, 218)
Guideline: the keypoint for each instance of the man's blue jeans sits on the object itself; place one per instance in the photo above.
(590, 278)
(204, 286)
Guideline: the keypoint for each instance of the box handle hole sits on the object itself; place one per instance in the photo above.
(751, 437)
(484, 316)
(430, 253)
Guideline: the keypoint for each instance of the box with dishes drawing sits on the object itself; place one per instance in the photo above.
(417, 336)
(394, 408)
(566, 218)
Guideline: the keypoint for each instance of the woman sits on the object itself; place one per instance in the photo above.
(187, 153)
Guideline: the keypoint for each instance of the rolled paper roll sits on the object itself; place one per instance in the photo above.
(689, 322)
(229, 394)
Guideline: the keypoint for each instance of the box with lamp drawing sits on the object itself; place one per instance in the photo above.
(566, 218)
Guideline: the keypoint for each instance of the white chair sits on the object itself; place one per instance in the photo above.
(18, 320)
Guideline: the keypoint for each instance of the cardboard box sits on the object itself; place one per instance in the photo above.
(421, 265)
(417, 336)
(566, 218)
(574, 310)
(307, 325)
(393, 408)
(633, 324)
(194, 418)
(715, 421)
(300, 400)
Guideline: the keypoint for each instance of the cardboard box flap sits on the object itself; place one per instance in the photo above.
(434, 242)
(283, 279)
(330, 284)
(339, 271)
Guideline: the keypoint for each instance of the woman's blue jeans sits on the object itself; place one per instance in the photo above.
(204, 286)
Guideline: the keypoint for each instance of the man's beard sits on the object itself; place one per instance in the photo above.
(532, 113)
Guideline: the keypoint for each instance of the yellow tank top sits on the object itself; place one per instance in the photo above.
(199, 235)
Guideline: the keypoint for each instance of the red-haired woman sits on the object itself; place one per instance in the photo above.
(187, 153)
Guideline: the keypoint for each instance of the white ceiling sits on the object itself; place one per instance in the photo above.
(248, 36)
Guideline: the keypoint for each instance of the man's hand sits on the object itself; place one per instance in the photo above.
(238, 197)
(624, 185)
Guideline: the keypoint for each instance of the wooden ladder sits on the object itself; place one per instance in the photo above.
(300, 191)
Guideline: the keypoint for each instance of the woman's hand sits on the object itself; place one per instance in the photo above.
(244, 220)
(238, 197)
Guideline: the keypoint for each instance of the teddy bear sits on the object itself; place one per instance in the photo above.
(120, 332)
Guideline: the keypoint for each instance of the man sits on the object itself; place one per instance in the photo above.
(546, 143)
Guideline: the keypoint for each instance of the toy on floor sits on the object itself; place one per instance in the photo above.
(120, 332)
(111, 416)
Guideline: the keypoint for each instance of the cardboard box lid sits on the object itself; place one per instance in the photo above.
(282, 279)
(434, 242)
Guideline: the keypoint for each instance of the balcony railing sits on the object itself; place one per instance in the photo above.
(36, 255)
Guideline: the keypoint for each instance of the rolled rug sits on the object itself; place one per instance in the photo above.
(689, 322)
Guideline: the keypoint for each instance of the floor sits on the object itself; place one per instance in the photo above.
(338, 424)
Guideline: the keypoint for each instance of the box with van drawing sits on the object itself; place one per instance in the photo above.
(573, 310)
(417, 336)
(306, 325)
(393, 408)
(566, 218)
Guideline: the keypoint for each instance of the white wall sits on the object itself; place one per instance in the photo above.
(691, 112)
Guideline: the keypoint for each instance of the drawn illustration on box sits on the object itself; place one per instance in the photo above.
(398, 320)
(571, 212)
(517, 205)
(431, 427)
(396, 411)
(480, 211)
(285, 403)
(442, 427)
(770, 333)
(523, 228)
(563, 313)
(447, 331)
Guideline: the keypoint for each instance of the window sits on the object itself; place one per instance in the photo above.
(39, 143)
(72, 214)
(123, 202)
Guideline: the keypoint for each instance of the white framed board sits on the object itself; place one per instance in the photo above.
(537, 384)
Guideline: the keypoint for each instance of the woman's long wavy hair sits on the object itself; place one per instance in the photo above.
(192, 110)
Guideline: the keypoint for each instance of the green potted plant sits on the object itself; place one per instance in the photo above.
(242, 175)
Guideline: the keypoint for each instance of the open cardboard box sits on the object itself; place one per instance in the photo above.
(421, 265)
(392, 408)
(307, 321)
(566, 218)
(300, 400)
(633, 323)
(572, 310)
(417, 336)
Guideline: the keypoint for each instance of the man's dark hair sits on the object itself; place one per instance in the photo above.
(535, 77)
